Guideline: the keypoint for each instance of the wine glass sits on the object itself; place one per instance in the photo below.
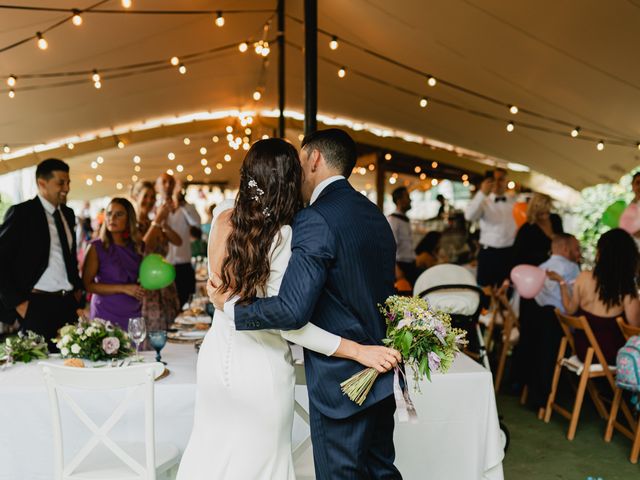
(158, 339)
(137, 332)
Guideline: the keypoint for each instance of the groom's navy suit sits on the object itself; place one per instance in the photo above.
(341, 267)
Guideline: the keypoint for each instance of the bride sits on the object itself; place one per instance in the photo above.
(245, 379)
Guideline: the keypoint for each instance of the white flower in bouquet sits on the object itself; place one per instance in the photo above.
(64, 351)
(90, 331)
(66, 339)
(75, 349)
(110, 345)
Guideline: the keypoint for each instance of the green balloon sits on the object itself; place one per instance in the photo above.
(156, 272)
(611, 216)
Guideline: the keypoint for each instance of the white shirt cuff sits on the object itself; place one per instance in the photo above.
(229, 307)
(335, 348)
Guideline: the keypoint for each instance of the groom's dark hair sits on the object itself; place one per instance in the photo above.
(336, 146)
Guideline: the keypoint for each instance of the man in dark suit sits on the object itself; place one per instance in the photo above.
(39, 282)
(341, 268)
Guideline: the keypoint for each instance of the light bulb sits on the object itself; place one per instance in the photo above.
(99, 178)
(227, 158)
(119, 186)
(215, 139)
(465, 177)
(257, 95)
(510, 127)
(434, 181)
(638, 145)
(126, 3)
(169, 171)
(434, 164)
(11, 81)
(100, 160)
(333, 44)
(94, 165)
(249, 120)
(137, 168)
(96, 76)
(342, 72)
(136, 159)
(387, 156)
(203, 151)
(89, 182)
(513, 109)
(120, 144)
(371, 167)
(6, 149)
(424, 102)
(203, 162)
(238, 140)
(97, 85)
(171, 156)
(229, 137)
(229, 129)
(600, 145)
(511, 185)
(245, 139)
(258, 47)
(190, 178)
(70, 146)
(247, 131)
(575, 132)
(423, 176)
(417, 169)
(220, 20)
(431, 81)
(207, 170)
(134, 178)
(219, 166)
(243, 47)
(179, 168)
(246, 146)
(265, 51)
(12, 93)
(182, 69)
(392, 180)
(465, 183)
(187, 141)
(42, 43)
(265, 136)
(175, 61)
(76, 19)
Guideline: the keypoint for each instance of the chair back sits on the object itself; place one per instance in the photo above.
(627, 330)
(139, 380)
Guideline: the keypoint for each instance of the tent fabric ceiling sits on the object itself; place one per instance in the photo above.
(570, 59)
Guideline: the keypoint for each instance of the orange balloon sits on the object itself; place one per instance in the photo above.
(520, 213)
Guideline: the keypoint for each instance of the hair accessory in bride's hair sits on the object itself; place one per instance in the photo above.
(266, 212)
(257, 191)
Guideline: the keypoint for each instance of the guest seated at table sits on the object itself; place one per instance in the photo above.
(533, 240)
(604, 293)
(427, 251)
(111, 266)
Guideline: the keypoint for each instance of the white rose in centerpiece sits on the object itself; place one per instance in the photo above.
(66, 339)
(75, 349)
(64, 351)
(110, 345)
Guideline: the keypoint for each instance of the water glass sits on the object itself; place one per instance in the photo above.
(137, 332)
(158, 339)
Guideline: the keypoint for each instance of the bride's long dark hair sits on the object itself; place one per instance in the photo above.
(268, 198)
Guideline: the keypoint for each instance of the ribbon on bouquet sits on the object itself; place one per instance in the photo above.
(404, 405)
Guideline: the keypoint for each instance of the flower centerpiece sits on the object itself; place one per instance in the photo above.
(423, 336)
(94, 340)
(23, 347)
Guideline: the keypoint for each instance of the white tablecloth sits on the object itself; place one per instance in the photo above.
(457, 437)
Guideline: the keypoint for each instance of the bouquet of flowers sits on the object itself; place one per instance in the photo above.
(23, 347)
(94, 340)
(424, 337)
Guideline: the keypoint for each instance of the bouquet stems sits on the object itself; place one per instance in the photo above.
(357, 387)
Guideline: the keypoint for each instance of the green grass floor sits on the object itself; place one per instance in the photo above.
(541, 451)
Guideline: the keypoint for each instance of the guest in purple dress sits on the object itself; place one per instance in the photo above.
(111, 266)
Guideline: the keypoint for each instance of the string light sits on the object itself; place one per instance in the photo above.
(511, 185)
(190, 178)
(219, 19)
(203, 162)
(243, 47)
(247, 131)
(96, 76)
(465, 183)
(182, 69)
(465, 177)
(215, 139)
(392, 180)
(246, 146)
(417, 169)
(257, 95)
(229, 129)
(120, 144)
(6, 149)
(219, 166)
(423, 176)
(126, 3)
(513, 109)
(187, 140)
(434, 164)
(423, 102)
(89, 182)
(342, 72)
(265, 136)
(575, 132)
(12, 93)
(11, 81)
(431, 81)
(119, 186)
(70, 146)
(638, 145)
(600, 145)
(510, 127)
(94, 165)
(230, 137)
(136, 159)
(137, 168)
(175, 61)
(171, 156)
(97, 85)
(387, 156)
(179, 168)
(134, 178)
(42, 43)
(76, 19)
(434, 182)
(169, 171)
(333, 44)
(207, 170)
(203, 151)
(100, 160)
(99, 178)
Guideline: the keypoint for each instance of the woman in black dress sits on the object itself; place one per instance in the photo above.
(533, 240)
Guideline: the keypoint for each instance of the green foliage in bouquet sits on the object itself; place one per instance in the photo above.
(94, 340)
(23, 347)
(423, 336)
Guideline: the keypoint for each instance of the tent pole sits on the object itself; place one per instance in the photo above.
(380, 183)
(310, 66)
(281, 71)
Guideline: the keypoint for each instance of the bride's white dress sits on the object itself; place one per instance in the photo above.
(245, 394)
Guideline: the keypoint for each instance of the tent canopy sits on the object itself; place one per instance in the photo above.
(569, 60)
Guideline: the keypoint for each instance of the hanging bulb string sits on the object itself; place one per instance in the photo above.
(455, 86)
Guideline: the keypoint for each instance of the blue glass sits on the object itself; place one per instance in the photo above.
(158, 339)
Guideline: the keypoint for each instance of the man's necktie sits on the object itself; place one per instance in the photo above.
(64, 243)
(500, 199)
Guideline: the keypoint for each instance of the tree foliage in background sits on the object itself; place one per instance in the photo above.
(595, 200)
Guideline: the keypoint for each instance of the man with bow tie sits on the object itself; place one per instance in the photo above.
(39, 282)
(494, 211)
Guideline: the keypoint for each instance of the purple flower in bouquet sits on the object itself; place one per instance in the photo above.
(110, 345)
(434, 361)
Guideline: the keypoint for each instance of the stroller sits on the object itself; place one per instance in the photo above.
(453, 289)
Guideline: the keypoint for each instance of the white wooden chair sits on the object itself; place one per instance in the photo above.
(130, 461)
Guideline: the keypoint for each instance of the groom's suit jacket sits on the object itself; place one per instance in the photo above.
(341, 268)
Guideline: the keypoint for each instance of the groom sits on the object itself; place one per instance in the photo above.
(342, 266)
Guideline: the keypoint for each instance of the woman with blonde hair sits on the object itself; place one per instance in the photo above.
(111, 265)
(533, 240)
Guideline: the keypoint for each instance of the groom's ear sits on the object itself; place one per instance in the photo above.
(315, 158)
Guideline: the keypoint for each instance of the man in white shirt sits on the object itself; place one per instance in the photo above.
(39, 281)
(401, 228)
(494, 212)
(180, 221)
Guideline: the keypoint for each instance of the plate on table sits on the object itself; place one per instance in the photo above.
(193, 334)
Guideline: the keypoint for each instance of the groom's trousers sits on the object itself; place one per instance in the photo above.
(359, 447)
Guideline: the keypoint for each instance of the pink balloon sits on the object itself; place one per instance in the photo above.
(528, 280)
(630, 219)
